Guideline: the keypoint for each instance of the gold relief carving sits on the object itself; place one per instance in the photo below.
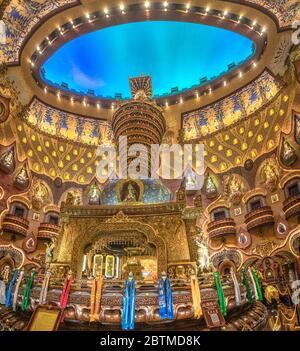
(234, 188)
(270, 173)
(274, 198)
(265, 248)
(172, 229)
(120, 217)
(166, 233)
(59, 270)
(85, 230)
(40, 194)
(177, 245)
(182, 270)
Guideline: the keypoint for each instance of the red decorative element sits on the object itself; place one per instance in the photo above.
(29, 243)
(65, 294)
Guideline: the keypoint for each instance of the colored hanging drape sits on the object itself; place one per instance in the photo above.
(237, 290)
(65, 295)
(10, 288)
(2, 293)
(96, 294)
(16, 292)
(128, 311)
(221, 296)
(26, 292)
(165, 299)
(253, 284)
(248, 288)
(44, 290)
(196, 296)
(257, 284)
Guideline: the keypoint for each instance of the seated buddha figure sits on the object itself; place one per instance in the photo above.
(131, 194)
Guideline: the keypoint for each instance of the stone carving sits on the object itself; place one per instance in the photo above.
(265, 248)
(231, 255)
(120, 217)
(233, 188)
(270, 174)
(39, 194)
(73, 198)
(16, 254)
(181, 271)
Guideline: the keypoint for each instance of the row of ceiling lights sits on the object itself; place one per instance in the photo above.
(147, 5)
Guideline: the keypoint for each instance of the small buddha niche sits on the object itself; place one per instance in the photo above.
(8, 162)
(22, 179)
(94, 194)
(288, 153)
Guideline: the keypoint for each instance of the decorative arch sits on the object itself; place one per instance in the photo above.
(226, 256)
(250, 262)
(7, 261)
(216, 204)
(16, 255)
(227, 264)
(21, 199)
(288, 177)
(253, 193)
(119, 223)
(294, 244)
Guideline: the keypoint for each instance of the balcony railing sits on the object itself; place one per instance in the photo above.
(291, 206)
(48, 231)
(221, 228)
(260, 217)
(14, 224)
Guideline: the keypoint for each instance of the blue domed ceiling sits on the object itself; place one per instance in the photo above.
(175, 54)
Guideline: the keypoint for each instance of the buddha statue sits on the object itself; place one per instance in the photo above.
(22, 179)
(7, 161)
(131, 195)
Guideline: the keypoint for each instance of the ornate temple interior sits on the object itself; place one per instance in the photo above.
(83, 247)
